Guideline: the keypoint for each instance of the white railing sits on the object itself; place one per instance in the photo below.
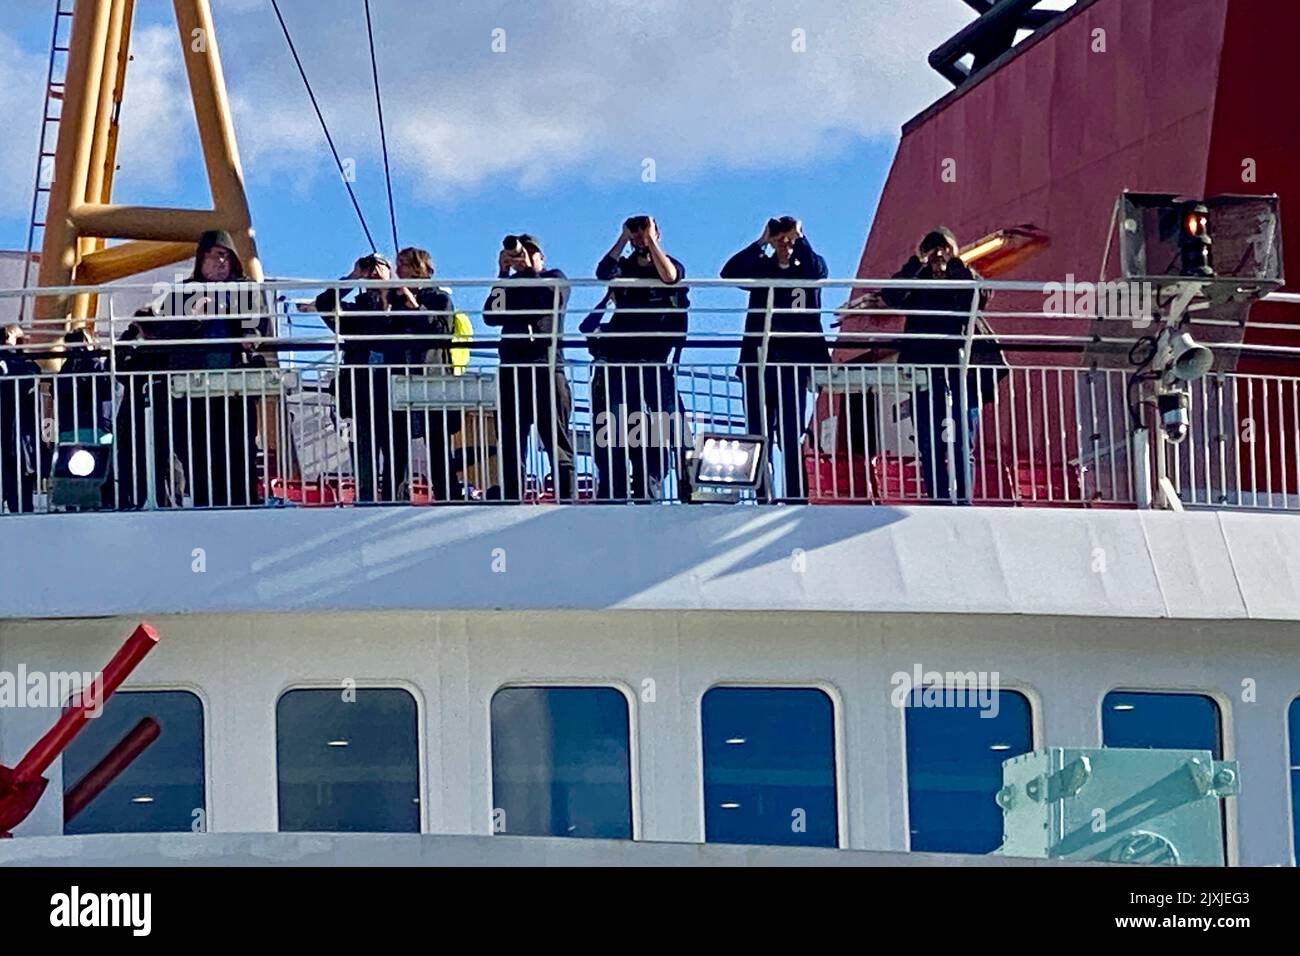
(294, 406)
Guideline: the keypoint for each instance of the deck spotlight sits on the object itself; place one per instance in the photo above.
(78, 476)
(728, 461)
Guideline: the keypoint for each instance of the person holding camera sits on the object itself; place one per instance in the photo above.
(529, 316)
(423, 316)
(370, 350)
(776, 397)
(946, 413)
(638, 348)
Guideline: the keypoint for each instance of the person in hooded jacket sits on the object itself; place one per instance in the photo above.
(215, 438)
(776, 402)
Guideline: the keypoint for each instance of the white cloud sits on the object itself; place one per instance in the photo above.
(21, 77)
(157, 124)
(586, 88)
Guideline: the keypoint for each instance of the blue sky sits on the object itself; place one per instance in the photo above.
(548, 135)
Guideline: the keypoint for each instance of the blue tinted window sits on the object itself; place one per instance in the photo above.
(348, 764)
(138, 767)
(769, 766)
(1161, 721)
(1294, 721)
(561, 762)
(954, 771)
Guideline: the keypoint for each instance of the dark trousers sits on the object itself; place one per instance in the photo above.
(779, 412)
(215, 440)
(939, 419)
(525, 402)
(129, 449)
(382, 437)
(619, 392)
(17, 485)
(17, 444)
(437, 428)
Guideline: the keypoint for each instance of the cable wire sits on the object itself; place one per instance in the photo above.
(383, 135)
(320, 116)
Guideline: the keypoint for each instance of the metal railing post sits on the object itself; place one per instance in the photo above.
(552, 362)
(767, 478)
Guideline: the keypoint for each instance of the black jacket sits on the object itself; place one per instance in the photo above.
(526, 335)
(425, 329)
(673, 300)
(393, 351)
(751, 263)
(83, 395)
(957, 301)
(17, 403)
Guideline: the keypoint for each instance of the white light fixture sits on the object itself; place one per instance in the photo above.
(142, 799)
(729, 806)
(1122, 707)
(78, 473)
(81, 463)
(727, 461)
(735, 741)
(337, 743)
(1000, 747)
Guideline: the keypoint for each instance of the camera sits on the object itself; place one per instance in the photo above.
(1174, 417)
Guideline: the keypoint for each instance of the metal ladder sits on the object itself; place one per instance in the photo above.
(55, 83)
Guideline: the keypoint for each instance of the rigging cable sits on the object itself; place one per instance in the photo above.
(383, 136)
(328, 138)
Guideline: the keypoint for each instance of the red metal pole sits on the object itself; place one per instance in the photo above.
(47, 749)
(98, 778)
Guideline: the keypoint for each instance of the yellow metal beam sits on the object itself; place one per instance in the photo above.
(81, 215)
(216, 127)
(87, 46)
(99, 183)
(147, 222)
(129, 259)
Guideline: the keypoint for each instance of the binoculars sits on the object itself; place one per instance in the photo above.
(514, 244)
(776, 227)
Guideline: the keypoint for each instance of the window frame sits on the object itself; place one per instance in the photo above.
(1292, 820)
(1227, 751)
(205, 741)
(421, 747)
(630, 698)
(1036, 737)
(839, 763)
